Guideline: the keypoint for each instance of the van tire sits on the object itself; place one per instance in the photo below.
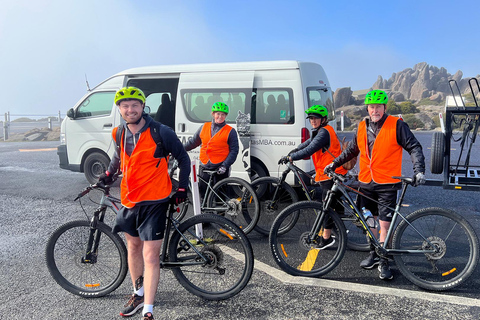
(438, 153)
(257, 171)
(95, 164)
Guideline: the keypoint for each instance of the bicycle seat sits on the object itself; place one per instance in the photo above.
(408, 180)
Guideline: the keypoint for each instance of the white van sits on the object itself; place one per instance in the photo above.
(275, 93)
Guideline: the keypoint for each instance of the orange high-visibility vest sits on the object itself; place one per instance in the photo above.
(216, 148)
(322, 159)
(145, 178)
(386, 158)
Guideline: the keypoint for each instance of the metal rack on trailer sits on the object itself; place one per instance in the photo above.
(458, 172)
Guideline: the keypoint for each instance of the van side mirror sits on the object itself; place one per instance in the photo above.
(71, 113)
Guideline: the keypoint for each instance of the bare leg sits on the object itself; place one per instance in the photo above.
(151, 258)
(135, 257)
(384, 225)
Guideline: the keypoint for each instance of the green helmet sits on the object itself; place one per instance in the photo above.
(129, 93)
(317, 110)
(376, 97)
(219, 107)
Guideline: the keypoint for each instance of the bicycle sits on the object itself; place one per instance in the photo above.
(210, 256)
(434, 248)
(275, 195)
(232, 197)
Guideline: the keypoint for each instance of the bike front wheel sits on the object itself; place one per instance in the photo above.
(236, 200)
(295, 251)
(215, 257)
(453, 240)
(88, 274)
(274, 197)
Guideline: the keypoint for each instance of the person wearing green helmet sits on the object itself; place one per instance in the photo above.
(219, 145)
(323, 147)
(142, 217)
(379, 142)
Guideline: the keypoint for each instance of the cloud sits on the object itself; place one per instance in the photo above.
(49, 46)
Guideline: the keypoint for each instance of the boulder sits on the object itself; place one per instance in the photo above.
(342, 97)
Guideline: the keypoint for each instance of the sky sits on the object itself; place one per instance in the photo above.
(48, 47)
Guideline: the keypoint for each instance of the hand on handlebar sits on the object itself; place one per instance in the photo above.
(107, 178)
(284, 160)
(179, 196)
(330, 168)
(419, 179)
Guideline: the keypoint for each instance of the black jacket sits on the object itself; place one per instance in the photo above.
(320, 140)
(405, 139)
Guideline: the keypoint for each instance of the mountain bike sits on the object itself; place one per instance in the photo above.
(275, 195)
(232, 197)
(209, 255)
(434, 248)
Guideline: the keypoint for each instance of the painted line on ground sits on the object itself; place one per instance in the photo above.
(363, 288)
(35, 150)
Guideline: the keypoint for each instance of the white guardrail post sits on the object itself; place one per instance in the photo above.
(196, 196)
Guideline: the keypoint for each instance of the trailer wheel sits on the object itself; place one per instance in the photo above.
(95, 164)
(438, 153)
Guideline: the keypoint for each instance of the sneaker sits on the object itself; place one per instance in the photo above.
(148, 316)
(132, 306)
(371, 261)
(325, 243)
(384, 269)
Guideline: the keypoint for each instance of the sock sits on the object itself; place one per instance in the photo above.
(138, 287)
(139, 292)
(147, 308)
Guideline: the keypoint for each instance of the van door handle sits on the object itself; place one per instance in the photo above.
(107, 125)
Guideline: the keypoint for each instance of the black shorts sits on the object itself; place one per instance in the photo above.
(385, 197)
(146, 222)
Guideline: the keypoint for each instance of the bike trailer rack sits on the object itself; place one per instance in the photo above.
(458, 171)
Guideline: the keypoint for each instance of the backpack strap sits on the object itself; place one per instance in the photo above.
(119, 134)
(160, 151)
(155, 127)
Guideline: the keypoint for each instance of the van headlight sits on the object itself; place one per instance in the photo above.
(62, 138)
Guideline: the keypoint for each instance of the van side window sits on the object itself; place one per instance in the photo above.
(273, 106)
(321, 96)
(161, 94)
(198, 103)
(95, 105)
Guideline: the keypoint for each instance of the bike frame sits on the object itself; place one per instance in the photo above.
(339, 186)
(109, 201)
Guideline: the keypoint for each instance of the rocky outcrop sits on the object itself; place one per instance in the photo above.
(342, 97)
(421, 82)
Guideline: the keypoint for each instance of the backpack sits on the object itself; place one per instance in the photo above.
(154, 126)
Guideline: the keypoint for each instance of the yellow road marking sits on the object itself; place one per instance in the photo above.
(35, 150)
(309, 262)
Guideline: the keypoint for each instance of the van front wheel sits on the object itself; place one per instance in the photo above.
(95, 164)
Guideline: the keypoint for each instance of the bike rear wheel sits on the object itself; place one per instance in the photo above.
(452, 237)
(271, 203)
(227, 248)
(236, 200)
(294, 252)
(91, 276)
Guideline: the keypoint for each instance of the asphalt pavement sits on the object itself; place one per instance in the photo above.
(36, 196)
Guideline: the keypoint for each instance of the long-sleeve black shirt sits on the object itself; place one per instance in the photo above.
(320, 140)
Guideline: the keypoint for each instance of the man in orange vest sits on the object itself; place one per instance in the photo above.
(219, 145)
(145, 193)
(380, 140)
(324, 146)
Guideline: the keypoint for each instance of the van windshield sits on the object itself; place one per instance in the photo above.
(321, 96)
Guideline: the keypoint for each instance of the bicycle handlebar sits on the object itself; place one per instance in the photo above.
(96, 186)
